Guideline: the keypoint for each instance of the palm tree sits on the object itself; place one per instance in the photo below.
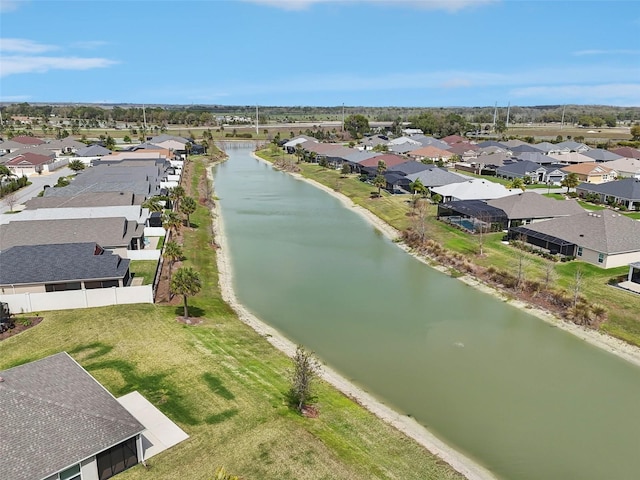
(380, 182)
(570, 181)
(186, 282)
(172, 252)
(517, 183)
(417, 187)
(188, 206)
(152, 204)
(76, 165)
(171, 221)
(175, 194)
(299, 152)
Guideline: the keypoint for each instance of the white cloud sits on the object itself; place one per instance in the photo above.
(15, 64)
(10, 5)
(16, 98)
(610, 93)
(21, 45)
(606, 52)
(447, 5)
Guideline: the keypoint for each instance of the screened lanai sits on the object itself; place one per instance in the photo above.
(553, 244)
(471, 215)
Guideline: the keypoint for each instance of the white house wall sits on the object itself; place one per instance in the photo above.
(610, 261)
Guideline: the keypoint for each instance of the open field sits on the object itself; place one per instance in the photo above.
(623, 307)
(223, 384)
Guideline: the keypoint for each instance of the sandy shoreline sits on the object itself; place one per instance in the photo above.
(407, 425)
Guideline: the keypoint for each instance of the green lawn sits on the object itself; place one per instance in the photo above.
(623, 307)
(225, 385)
(145, 269)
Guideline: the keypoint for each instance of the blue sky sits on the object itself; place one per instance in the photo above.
(423, 53)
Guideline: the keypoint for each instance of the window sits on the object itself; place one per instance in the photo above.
(579, 251)
(601, 258)
(72, 473)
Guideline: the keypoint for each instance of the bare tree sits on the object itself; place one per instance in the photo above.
(419, 220)
(305, 369)
(549, 274)
(11, 200)
(578, 280)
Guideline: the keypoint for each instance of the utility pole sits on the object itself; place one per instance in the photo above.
(256, 120)
(495, 116)
(508, 111)
(562, 121)
(343, 117)
(144, 118)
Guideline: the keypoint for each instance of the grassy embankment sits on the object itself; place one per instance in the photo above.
(224, 385)
(623, 307)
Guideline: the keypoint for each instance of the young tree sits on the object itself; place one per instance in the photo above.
(380, 182)
(10, 199)
(305, 369)
(518, 183)
(635, 132)
(346, 169)
(417, 187)
(578, 280)
(570, 181)
(76, 165)
(187, 206)
(186, 282)
(172, 252)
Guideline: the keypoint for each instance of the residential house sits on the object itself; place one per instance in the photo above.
(510, 144)
(130, 212)
(526, 148)
(354, 158)
(620, 192)
(430, 153)
(506, 212)
(403, 148)
(453, 139)
(601, 155)
(436, 177)
(474, 189)
(59, 423)
(534, 172)
(172, 143)
(396, 182)
(569, 146)
(65, 146)
(88, 199)
(464, 150)
(425, 141)
(61, 267)
(591, 172)
(27, 140)
(389, 160)
(290, 146)
(546, 147)
(626, 152)
(28, 164)
(570, 158)
(369, 143)
(493, 143)
(409, 167)
(605, 238)
(537, 157)
(555, 174)
(114, 233)
(626, 167)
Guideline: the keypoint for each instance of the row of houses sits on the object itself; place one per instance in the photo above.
(607, 239)
(83, 236)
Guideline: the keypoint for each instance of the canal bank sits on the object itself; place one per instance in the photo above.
(613, 345)
(483, 375)
(407, 425)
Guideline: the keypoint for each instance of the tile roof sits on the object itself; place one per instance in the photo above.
(33, 264)
(627, 152)
(55, 414)
(389, 159)
(533, 205)
(431, 152)
(29, 158)
(27, 140)
(588, 169)
(604, 231)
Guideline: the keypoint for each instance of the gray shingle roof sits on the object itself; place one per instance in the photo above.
(533, 205)
(628, 188)
(518, 168)
(109, 232)
(93, 151)
(604, 231)
(54, 414)
(601, 155)
(29, 264)
(96, 199)
(436, 177)
(407, 168)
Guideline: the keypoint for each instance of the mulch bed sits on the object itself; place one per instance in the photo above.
(21, 325)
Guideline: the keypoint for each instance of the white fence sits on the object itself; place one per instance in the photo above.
(98, 297)
(154, 232)
(146, 254)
